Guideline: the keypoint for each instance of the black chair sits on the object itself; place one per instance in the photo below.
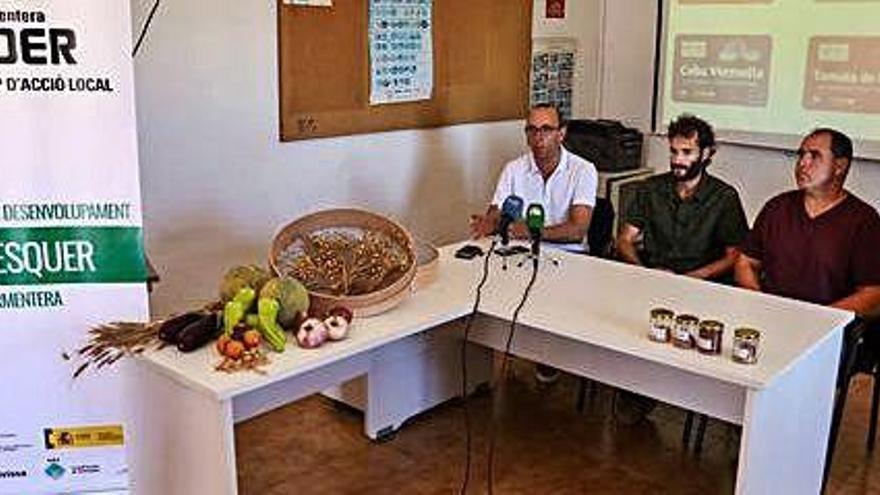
(869, 362)
(701, 430)
(600, 235)
(850, 353)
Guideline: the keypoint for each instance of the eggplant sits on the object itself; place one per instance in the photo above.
(170, 329)
(199, 333)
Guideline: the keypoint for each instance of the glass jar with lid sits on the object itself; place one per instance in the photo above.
(662, 320)
(685, 328)
(745, 345)
(709, 337)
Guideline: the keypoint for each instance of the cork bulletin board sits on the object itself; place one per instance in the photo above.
(482, 55)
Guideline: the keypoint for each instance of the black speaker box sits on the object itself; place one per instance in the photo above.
(611, 146)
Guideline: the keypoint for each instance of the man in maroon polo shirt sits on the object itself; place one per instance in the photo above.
(819, 243)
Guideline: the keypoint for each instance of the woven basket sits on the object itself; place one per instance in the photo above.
(362, 304)
(427, 264)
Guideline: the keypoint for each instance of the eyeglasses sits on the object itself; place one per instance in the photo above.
(542, 130)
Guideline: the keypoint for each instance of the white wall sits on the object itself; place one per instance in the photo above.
(627, 61)
(216, 181)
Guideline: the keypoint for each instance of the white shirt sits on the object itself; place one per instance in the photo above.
(574, 182)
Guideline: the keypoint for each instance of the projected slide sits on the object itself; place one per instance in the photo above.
(700, 2)
(725, 70)
(768, 71)
(843, 74)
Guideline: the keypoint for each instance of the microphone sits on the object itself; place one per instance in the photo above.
(535, 223)
(511, 211)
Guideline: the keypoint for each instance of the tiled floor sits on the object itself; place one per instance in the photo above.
(543, 446)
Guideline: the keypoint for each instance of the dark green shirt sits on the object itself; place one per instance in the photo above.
(683, 235)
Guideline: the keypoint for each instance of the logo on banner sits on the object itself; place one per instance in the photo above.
(82, 469)
(85, 436)
(68, 255)
(40, 43)
(55, 471)
(13, 474)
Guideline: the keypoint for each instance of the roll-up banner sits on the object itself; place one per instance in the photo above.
(71, 249)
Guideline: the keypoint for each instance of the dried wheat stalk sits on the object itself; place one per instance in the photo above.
(341, 263)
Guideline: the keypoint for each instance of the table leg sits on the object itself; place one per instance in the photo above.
(180, 441)
(786, 425)
(410, 376)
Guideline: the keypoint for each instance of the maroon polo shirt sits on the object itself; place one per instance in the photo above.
(820, 259)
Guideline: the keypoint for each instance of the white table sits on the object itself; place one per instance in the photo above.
(587, 316)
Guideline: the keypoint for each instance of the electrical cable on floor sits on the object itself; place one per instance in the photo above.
(502, 377)
(145, 28)
(464, 380)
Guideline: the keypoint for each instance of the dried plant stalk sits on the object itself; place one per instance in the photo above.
(110, 342)
(344, 263)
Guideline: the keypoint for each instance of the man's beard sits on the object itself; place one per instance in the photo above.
(693, 171)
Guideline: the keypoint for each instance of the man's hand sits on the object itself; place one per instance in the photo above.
(747, 272)
(573, 229)
(519, 230)
(864, 301)
(717, 268)
(626, 244)
(481, 226)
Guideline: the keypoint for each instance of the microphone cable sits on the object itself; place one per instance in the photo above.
(505, 359)
(464, 380)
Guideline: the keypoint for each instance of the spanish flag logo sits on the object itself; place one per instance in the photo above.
(83, 436)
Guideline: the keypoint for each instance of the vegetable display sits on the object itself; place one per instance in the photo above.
(254, 310)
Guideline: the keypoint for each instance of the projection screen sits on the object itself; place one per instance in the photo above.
(765, 72)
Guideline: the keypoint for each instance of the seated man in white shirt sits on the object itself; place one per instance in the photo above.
(563, 183)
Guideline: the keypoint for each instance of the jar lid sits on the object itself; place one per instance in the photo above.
(662, 313)
(712, 325)
(687, 319)
(747, 333)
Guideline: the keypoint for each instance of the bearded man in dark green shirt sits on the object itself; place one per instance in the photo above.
(685, 221)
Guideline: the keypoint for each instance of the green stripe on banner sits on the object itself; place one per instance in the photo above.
(71, 255)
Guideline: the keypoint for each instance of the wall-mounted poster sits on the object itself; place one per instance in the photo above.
(553, 64)
(401, 51)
